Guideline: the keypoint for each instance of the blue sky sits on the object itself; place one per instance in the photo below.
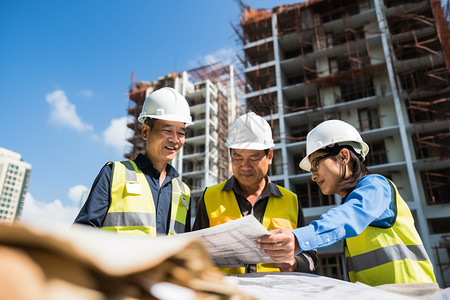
(65, 70)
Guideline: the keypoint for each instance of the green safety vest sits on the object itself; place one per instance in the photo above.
(281, 212)
(389, 255)
(132, 210)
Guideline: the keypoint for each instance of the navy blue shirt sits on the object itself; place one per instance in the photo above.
(97, 204)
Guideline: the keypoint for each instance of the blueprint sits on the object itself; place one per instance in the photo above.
(293, 286)
(233, 243)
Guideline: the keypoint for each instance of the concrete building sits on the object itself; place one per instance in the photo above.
(210, 92)
(14, 178)
(382, 66)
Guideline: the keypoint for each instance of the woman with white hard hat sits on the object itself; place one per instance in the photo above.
(382, 245)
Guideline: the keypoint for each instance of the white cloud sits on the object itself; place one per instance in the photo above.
(47, 213)
(225, 55)
(63, 112)
(76, 192)
(86, 93)
(117, 133)
(95, 137)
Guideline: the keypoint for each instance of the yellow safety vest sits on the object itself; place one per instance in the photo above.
(132, 210)
(389, 255)
(281, 212)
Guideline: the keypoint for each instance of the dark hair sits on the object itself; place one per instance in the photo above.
(150, 122)
(356, 164)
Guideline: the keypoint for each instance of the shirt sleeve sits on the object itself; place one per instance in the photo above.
(201, 219)
(369, 202)
(306, 261)
(96, 206)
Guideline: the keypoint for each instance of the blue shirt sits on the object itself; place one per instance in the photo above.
(370, 203)
(97, 204)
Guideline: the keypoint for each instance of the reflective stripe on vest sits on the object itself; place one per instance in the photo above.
(389, 255)
(281, 212)
(179, 207)
(384, 255)
(132, 210)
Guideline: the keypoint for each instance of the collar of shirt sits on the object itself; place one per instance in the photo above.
(270, 189)
(144, 164)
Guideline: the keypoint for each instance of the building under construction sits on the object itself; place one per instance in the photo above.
(382, 66)
(210, 92)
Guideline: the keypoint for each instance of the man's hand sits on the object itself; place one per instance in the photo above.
(281, 246)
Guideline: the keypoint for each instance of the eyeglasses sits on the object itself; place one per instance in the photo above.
(316, 161)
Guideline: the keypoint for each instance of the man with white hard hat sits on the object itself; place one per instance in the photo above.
(250, 191)
(145, 196)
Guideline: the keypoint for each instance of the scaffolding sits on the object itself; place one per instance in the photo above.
(442, 251)
(422, 37)
(220, 73)
(301, 20)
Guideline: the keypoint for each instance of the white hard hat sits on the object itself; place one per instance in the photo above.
(166, 104)
(250, 131)
(333, 133)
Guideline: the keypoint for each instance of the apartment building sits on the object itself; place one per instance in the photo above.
(14, 178)
(380, 65)
(210, 92)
